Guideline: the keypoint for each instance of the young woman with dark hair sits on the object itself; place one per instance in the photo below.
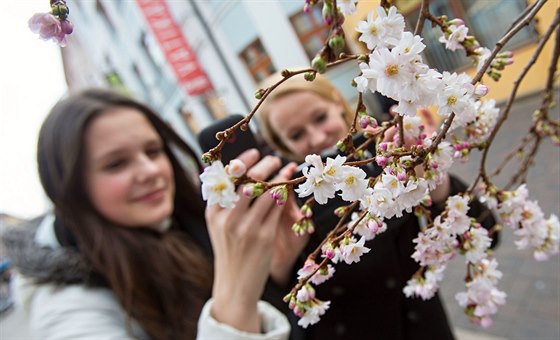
(126, 252)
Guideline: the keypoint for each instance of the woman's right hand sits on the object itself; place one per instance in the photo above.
(243, 240)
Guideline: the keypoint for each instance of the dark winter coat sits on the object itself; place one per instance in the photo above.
(367, 299)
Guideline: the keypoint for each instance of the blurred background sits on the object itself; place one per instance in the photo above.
(198, 61)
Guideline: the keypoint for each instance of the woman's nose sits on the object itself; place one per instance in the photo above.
(317, 137)
(147, 168)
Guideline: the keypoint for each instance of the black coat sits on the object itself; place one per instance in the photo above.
(367, 301)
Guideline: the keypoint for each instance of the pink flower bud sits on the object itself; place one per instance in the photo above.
(383, 146)
(381, 161)
(306, 211)
(372, 225)
(364, 122)
(253, 189)
(236, 168)
(66, 26)
(480, 90)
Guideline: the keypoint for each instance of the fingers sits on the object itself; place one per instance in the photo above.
(249, 157)
(263, 169)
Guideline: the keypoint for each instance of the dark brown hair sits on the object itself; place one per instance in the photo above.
(160, 279)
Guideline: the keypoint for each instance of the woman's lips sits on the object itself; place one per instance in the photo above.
(153, 196)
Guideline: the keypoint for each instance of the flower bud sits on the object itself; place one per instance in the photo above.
(306, 211)
(381, 161)
(308, 226)
(280, 194)
(236, 168)
(319, 64)
(327, 13)
(66, 27)
(207, 157)
(427, 201)
(309, 76)
(480, 90)
(340, 211)
(336, 43)
(383, 146)
(288, 297)
(340, 145)
(253, 189)
(259, 93)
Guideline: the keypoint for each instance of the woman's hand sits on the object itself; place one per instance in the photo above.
(243, 240)
(288, 246)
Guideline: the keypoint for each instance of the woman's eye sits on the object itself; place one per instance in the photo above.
(154, 152)
(115, 165)
(296, 135)
(321, 117)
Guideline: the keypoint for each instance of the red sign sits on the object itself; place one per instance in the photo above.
(175, 47)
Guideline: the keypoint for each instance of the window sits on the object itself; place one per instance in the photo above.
(101, 10)
(257, 61)
(486, 20)
(152, 51)
(311, 30)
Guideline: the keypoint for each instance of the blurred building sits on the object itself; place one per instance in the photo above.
(196, 61)
(236, 43)
(488, 21)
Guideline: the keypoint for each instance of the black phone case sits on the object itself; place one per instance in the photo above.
(238, 142)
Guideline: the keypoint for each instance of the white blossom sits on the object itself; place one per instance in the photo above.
(426, 286)
(353, 183)
(352, 251)
(347, 7)
(315, 183)
(454, 39)
(217, 187)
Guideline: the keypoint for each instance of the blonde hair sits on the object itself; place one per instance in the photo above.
(321, 86)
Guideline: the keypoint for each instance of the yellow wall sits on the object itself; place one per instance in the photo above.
(533, 82)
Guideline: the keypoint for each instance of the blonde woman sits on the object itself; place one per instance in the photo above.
(367, 302)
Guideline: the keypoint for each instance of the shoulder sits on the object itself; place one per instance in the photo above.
(75, 311)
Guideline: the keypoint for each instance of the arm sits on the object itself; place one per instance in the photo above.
(243, 242)
(274, 325)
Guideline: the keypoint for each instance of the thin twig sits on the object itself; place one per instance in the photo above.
(424, 11)
(513, 93)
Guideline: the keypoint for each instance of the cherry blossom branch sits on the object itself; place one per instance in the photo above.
(424, 13)
(526, 164)
(513, 94)
(261, 94)
(500, 44)
(518, 149)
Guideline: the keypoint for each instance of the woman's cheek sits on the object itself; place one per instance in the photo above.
(111, 191)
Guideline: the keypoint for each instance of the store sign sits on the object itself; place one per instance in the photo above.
(175, 47)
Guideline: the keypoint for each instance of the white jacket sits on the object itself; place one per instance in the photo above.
(78, 312)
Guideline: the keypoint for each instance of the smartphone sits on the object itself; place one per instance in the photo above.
(238, 142)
